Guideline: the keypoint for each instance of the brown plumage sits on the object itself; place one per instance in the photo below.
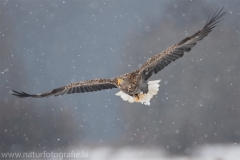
(136, 82)
(78, 87)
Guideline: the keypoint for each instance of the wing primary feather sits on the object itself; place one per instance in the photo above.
(94, 88)
(158, 68)
(178, 54)
(164, 63)
(161, 66)
(78, 90)
(106, 86)
(90, 89)
(82, 89)
(167, 60)
(172, 57)
(86, 88)
(70, 91)
(57, 94)
(111, 86)
(102, 86)
(155, 70)
(98, 87)
(74, 90)
(64, 92)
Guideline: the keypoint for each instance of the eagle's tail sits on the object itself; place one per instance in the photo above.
(142, 98)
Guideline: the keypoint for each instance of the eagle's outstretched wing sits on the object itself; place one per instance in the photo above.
(161, 60)
(78, 87)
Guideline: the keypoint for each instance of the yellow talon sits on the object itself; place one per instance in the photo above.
(138, 97)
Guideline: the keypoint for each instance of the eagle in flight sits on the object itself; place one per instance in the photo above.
(135, 86)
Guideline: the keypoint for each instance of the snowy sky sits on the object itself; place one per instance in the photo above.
(48, 44)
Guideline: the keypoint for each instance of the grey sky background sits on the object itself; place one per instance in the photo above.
(48, 44)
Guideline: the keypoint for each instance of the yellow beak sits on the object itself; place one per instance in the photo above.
(119, 81)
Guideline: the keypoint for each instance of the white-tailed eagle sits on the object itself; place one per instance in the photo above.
(135, 86)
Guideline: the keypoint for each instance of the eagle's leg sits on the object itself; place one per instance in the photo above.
(138, 97)
(135, 96)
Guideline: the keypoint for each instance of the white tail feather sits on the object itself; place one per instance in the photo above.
(130, 99)
(154, 82)
(152, 88)
(124, 97)
(145, 98)
(119, 93)
(152, 92)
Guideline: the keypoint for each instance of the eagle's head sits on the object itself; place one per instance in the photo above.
(123, 82)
